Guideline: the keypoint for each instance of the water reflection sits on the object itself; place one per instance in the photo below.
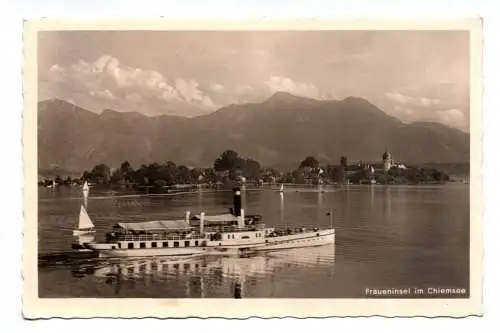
(282, 207)
(197, 277)
(387, 203)
(320, 211)
(372, 196)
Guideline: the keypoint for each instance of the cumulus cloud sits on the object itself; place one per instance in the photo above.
(454, 118)
(107, 79)
(276, 83)
(410, 109)
(409, 100)
(218, 88)
(105, 94)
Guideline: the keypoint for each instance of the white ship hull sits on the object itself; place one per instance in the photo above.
(308, 239)
(158, 252)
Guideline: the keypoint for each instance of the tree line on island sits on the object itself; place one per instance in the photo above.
(232, 168)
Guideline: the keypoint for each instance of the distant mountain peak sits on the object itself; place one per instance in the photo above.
(114, 113)
(357, 100)
(283, 96)
(56, 101)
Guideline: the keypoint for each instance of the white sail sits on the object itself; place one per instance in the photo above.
(84, 222)
(281, 188)
(85, 187)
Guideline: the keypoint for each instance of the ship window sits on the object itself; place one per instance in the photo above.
(195, 243)
(176, 244)
(228, 236)
(130, 245)
(165, 244)
(119, 245)
(153, 244)
(142, 245)
(186, 244)
(113, 247)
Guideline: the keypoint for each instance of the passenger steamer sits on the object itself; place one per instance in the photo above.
(203, 234)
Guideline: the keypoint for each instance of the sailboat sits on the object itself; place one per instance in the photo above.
(85, 189)
(85, 225)
(282, 188)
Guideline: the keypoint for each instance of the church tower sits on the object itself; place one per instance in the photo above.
(387, 159)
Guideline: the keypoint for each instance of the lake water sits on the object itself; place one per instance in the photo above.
(386, 237)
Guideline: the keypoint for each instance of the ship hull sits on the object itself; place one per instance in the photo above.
(158, 252)
(299, 240)
(302, 240)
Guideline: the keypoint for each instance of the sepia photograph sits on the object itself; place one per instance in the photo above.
(269, 169)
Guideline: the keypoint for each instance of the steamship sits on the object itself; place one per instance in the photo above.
(232, 233)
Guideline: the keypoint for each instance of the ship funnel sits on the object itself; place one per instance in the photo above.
(237, 201)
(188, 214)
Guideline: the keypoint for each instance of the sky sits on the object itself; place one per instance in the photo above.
(411, 75)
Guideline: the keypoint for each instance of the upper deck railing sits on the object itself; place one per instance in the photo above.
(235, 228)
(160, 236)
(153, 237)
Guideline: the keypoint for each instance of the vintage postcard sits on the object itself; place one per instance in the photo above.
(252, 168)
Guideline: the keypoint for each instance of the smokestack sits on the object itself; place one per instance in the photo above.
(202, 222)
(237, 201)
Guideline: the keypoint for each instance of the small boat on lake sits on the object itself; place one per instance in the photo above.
(232, 233)
(85, 188)
(85, 225)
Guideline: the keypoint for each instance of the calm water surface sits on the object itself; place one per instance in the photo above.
(392, 237)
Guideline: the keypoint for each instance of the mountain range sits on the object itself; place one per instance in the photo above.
(278, 132)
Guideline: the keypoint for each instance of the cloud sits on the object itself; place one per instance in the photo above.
(276, 83)
(218, 88)
(342, 59)
(411, 109)
(139, 89)
(105, 94)
(454, 118)
(409, 100)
